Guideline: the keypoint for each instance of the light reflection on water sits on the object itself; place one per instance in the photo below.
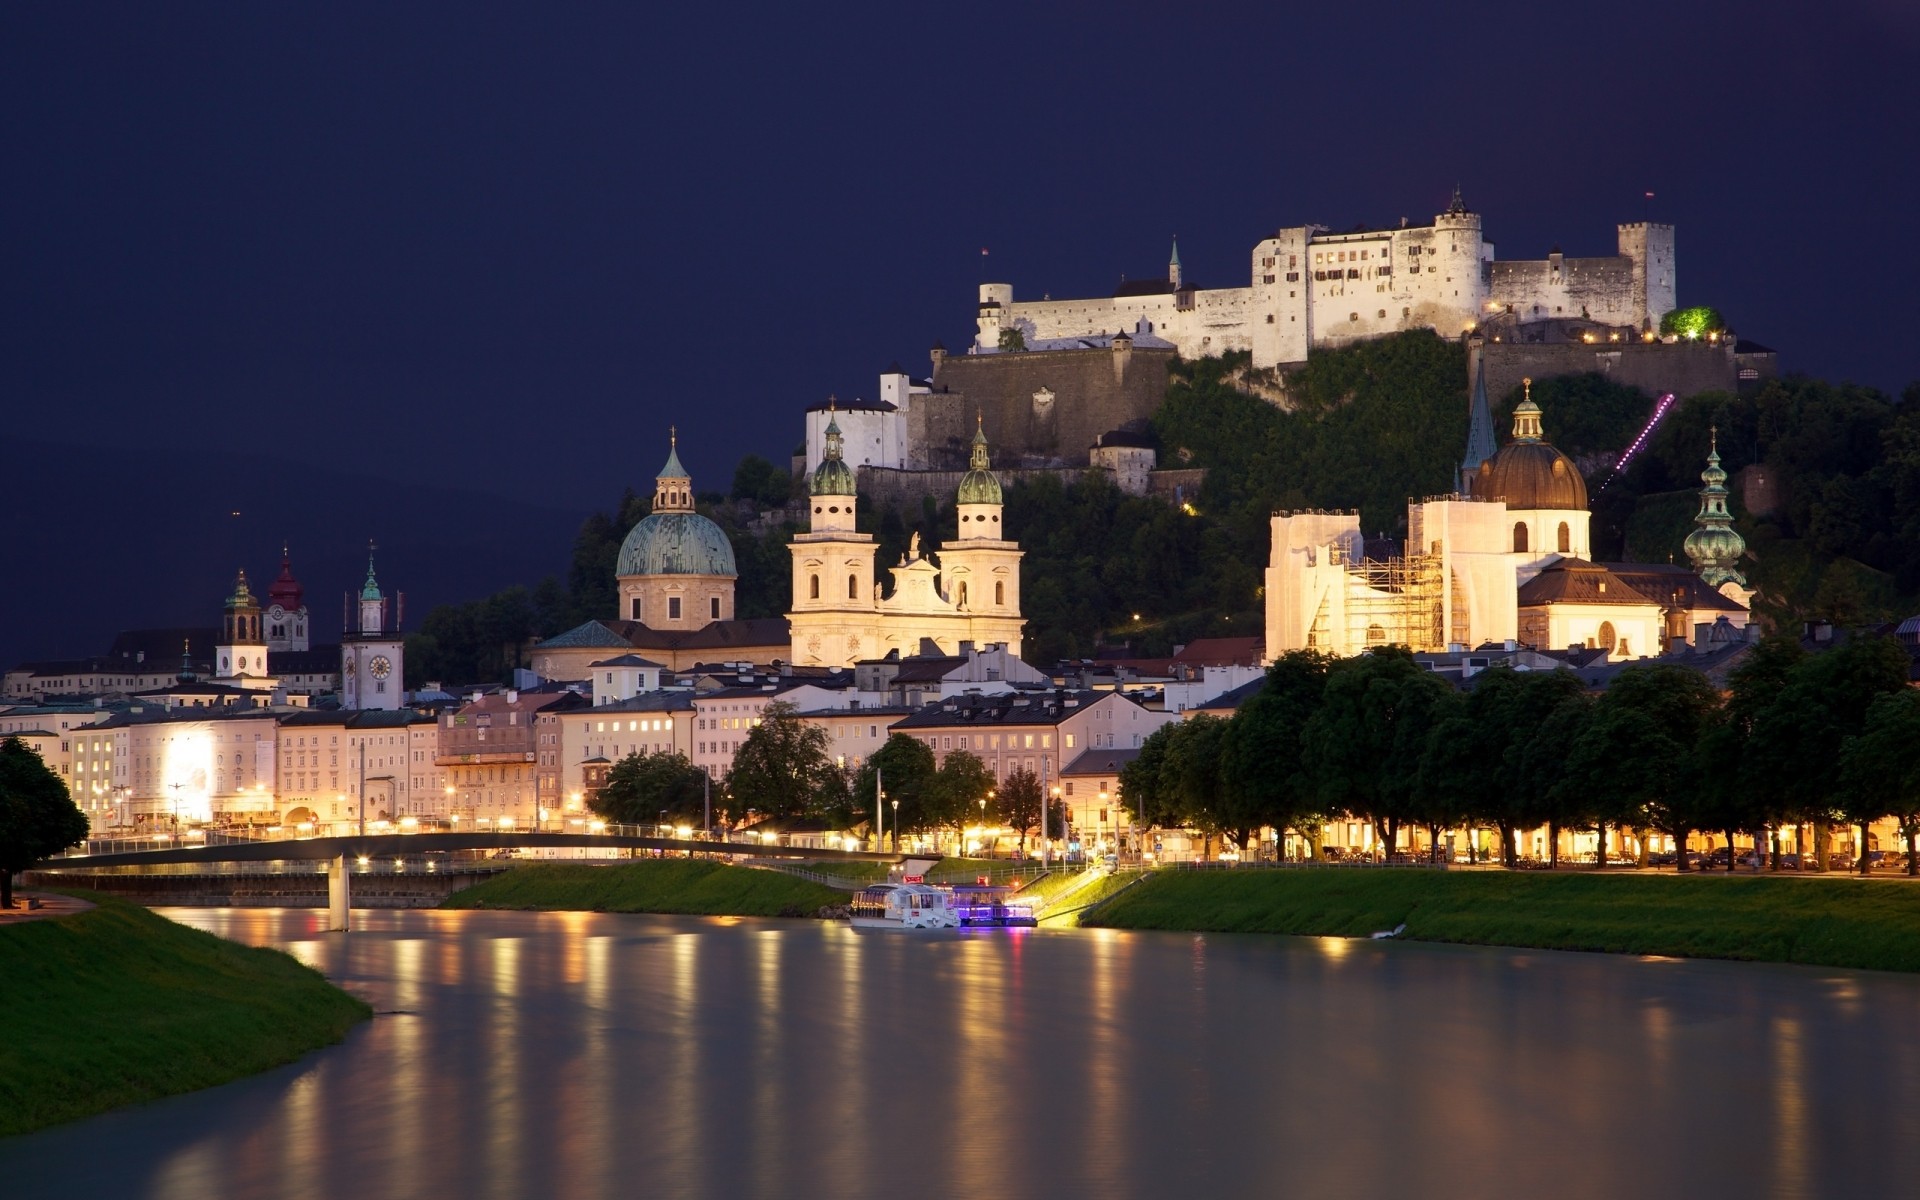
(588, 1055)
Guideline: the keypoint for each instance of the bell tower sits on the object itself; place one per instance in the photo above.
(243, 648)
(373, 656)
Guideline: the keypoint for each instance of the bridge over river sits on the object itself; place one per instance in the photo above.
(338, 856)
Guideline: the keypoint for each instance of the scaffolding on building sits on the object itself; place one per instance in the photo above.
(1397, 601)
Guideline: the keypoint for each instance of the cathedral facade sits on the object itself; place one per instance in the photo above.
(841, 614)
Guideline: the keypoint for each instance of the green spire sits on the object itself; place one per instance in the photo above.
(979, 485)
(242, 595)
(672, 469)
(1714, 547)
(833, 477)
(1175, 260)
(371, 589)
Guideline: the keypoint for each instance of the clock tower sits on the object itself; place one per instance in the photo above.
(372, 656)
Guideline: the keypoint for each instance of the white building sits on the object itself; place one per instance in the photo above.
(372, 656)
(873, 432)
(1309, 287)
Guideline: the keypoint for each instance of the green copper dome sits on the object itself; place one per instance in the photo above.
(979, 486)
(1714, 547)
(676, 543)
(242, 595)
(833, 477)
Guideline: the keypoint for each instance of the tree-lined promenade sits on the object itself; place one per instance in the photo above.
(1797, 742)
(785, 770)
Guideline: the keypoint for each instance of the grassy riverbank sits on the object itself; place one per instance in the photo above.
(695, 887)
(1824, 922)
(117, 1006)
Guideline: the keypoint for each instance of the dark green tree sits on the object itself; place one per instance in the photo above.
(1145, 784)
(1796, 740)
(963, 781)
(38, 817)
(1640, 743)
(1260, 765)
(903, 770)
(644, 788)
(1364, 744)
(1022, 801)
(785, 768)
(1880, 768)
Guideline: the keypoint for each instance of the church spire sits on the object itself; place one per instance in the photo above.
(1173, 264)
(1481, 444)
(1714, 547)
(672, 486)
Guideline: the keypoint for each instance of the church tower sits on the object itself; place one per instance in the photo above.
(287, 623)
(1714, 547)
(242, 650)
(372, 657)
(1173, 266)
(981, 569)
(833, 593)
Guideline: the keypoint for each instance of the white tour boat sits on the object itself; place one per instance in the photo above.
(902, 906)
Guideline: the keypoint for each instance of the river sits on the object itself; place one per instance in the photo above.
(587, 1055)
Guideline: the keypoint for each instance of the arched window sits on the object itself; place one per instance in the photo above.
(960, 599)
(999, 592)
(813, 587)
(853, 587)
(1519, 537)
(1566, 539)
(1606, 636)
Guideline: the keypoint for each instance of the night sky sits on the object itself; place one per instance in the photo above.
(332, 265)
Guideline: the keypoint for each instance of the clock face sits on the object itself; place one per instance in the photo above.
(380, 666)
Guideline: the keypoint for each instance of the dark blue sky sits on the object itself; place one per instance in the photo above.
(507, 246)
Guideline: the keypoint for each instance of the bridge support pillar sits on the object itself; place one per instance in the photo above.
(339, 895)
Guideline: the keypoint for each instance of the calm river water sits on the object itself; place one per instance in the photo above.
(586, 1055)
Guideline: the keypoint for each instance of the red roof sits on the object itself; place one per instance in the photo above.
(1222, 652)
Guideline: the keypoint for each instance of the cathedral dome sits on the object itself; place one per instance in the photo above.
(1527, 472)
(676, 543)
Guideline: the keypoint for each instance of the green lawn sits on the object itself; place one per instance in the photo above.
(1825, 922)
(947, 870)
(117, 1006)
(669, 885)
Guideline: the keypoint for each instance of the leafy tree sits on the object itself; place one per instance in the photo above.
(1696, 321)
(1475, 758)
(1193, 766)
(1640, 743)
(1797, 738)
(1261, 780)
(759, 481)
(642, 787)
(785, 768)
(1550, 794)
(1880, 768)
(1012, 339)
(963, 781)
(1023, 804)
(904, 770)
(1145, 784)
(37, 815)
(1365, 743)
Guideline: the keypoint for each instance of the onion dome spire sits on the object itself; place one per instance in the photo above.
(1714, 547)
(833, 477)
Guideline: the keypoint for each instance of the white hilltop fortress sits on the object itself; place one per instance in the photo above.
(1310, 288)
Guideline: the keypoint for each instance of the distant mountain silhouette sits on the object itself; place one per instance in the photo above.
(103, 539)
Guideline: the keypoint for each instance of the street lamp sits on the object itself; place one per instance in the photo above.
(176, 807)
(1045, 827)
(896, 826)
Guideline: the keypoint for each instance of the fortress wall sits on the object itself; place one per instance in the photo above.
(882, 488)
(1094, 392)
(1599, 289)
(1685, 369)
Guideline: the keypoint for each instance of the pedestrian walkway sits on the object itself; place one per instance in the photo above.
(39, 906)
